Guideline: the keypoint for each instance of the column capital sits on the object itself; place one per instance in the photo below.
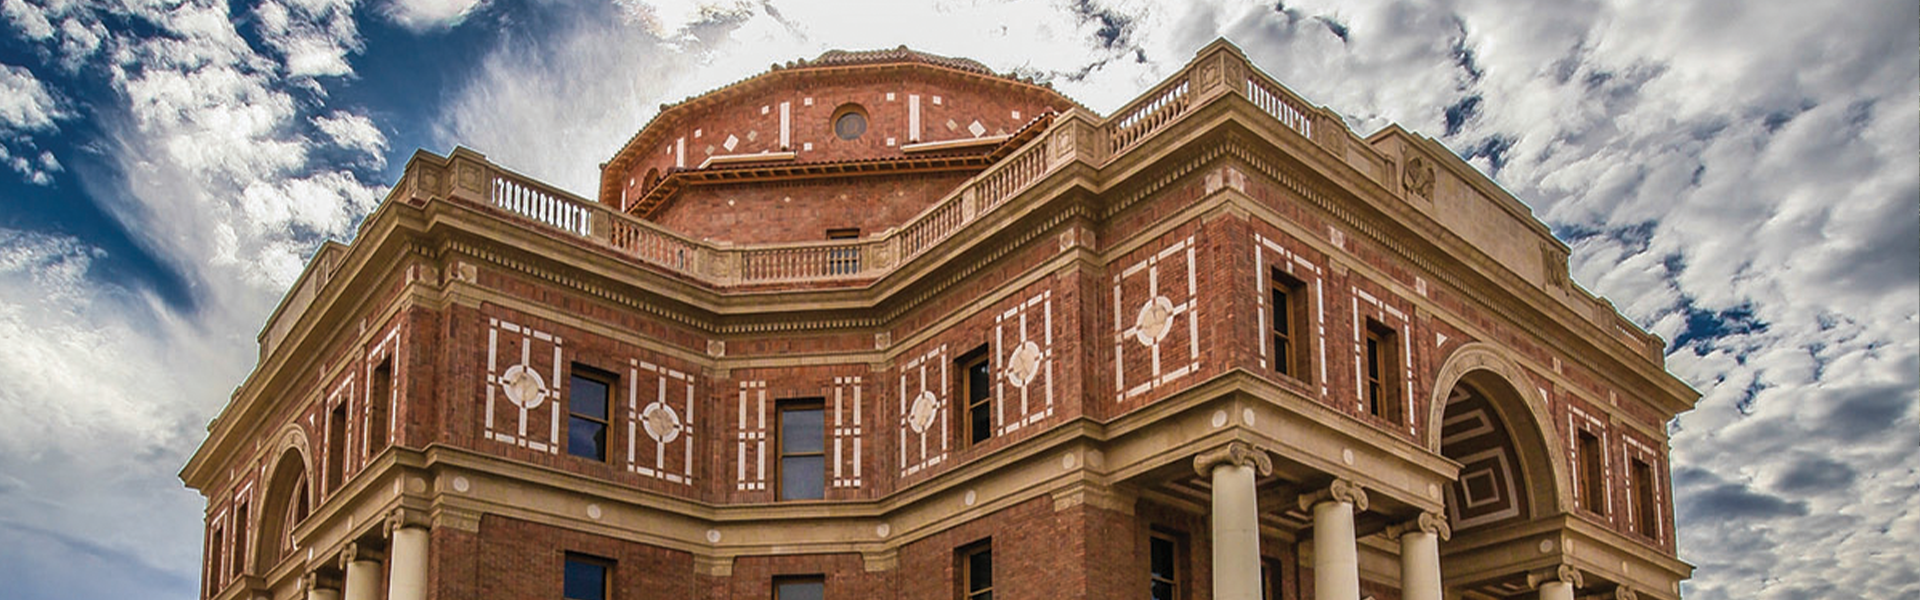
(403, 517)
(356, 551)
(1427, 522)
(1625, 593)
(1341, 490)
(313, 580)
(1564, 573)
(1236, 453)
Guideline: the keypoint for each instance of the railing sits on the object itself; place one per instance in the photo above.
(1135, 122)
(1280, 103)
(812, 261)
(541, 203)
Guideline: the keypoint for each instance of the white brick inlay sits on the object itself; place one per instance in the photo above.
(1026, 358)
(524, 385)
(1160, 303)
(666, 417)
(847, 431)
(1365, 305)
(1307, 273)
(926, 374)
(751, 433)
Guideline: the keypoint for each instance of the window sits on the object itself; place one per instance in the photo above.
(587, 395)
(215, 575)
(1382, 366)
(1270, 580)
(1164, 566)
(379, 398)
(843, 260)
(297, 509)
(240, 539)
(976, 571)
(1592, 474)
(1289, 320)
(803, 456)
(1643, 505)
(976, 387)
(586, 578)
(810, 587)
(336, 445)
(849, 121)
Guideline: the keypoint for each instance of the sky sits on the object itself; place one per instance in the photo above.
(1740, 177)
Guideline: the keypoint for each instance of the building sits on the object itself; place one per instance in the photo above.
(886, 325)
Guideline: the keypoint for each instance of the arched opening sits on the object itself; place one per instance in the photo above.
(289, 501)
(1495, 486)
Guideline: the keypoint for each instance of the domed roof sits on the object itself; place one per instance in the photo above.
(902, 54)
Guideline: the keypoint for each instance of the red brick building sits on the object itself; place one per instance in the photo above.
(888, 325)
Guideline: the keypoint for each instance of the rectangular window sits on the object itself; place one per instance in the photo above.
(843, 261)
(976, 389)
(802, 449)
(809, 587)
(1164, 566)
(336, 445)
(240, 539)
(1592, 474)
(216, 575)
(1382, 366)
(587, 394)
(587, 578)
(1289, 324)
(976, 571)
(1644, 507)
(379, 398)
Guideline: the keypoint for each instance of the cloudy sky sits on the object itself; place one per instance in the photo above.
(1741, 177)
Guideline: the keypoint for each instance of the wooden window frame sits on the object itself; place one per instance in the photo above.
(963, 394)
(1178, 544)
(1645, 502)
(964, 590)
(1381, 363)
(1593, 472)
(336, 457)
(780, 580)
(379, 401)
(1288, 325)
(241, 516)
(578, 371)
(780, 454)
(606, 569)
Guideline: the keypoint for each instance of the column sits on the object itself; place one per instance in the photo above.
(363, 572)
(1236, 517)
(1555, 584)
(1336, 558)
(1420, 555)
(407, 532)
(318, 589)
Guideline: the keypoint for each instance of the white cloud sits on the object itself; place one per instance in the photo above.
(356, 133)
(314, 36)
(422, 16)
(25, 103)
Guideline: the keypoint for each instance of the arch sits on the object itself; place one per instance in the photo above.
(1486, 369)
(289, 496)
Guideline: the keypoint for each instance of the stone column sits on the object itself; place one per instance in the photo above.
(1420, 555)
(1336, 558)
(407, 549)
(362, 565)
(317, 589)
(1236, 517)
(1556, 584)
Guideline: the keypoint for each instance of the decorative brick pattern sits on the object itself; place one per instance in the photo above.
(660, 417)
(1151, 316)
(520, 379)
(923, 411)
(751, 437)
(1023, 355)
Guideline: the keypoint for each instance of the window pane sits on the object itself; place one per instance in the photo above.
(585, 581)
(1162, 558)
(589, 398)
(1162, 590)
(982, 422)
(586, 438)
(800, 590)
(978, 380)
(980, 570)
(802, 431)
(803, 478)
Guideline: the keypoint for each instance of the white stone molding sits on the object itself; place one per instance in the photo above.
(751, 432)
(660, 411)
(1025, 358)
(1536, 420)
(1149, 320)
(524, 385)
(923, 413)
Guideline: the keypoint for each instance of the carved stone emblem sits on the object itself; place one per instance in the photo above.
(921, 415)
(1023, 365)
(661, 423)
(1155, 320)
(1419, 177)
(523, 387)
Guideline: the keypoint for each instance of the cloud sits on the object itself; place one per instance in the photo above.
(356, 133)
(25, 103)
(421, 16)
(314, 37)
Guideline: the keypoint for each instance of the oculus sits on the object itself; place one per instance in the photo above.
(523, 387)
(921, 415)
(1154, 321)
(661, 423)
(1023, 365)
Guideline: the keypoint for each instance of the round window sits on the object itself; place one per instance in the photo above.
(850, 123)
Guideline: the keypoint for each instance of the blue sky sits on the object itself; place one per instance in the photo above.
(1741, 177)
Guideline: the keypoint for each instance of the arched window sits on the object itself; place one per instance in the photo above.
(289, 501)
